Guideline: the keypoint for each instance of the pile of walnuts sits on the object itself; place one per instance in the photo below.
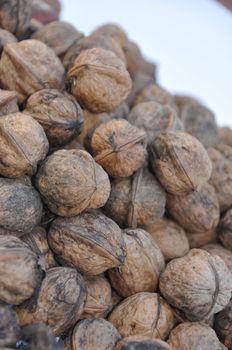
(115, 196)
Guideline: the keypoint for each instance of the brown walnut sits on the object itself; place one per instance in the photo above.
(8, 102)
(38, 337)
(90, 242)
(6, 38)
(9, 329)
(136, 342)
(154, 92)
(223, 325)
(114, 31)
(225, 135)
(219, 250)
(199, 239)
(70, 181)
(225, 230)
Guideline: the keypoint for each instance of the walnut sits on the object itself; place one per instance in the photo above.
(219, 250)
(170, 237)
(99, 80)
(37, 241)
(21, 207)
(223, 325)
(20, 273)
(59, 302)
(8, 102)
(5, 38)
(199, 284)
(136, 342)
(140, 81)
(119, 147)
(198, 240)
(154, 92)
(194, 336)
(23, 144)
(197, 211)
(98, 302)
(94, 334)
(91, 242)
(15, 15)
(145, 314)
(38, 337)
(114, 31)
(154, 119)
(180, 162)
(142, 266)
(58, 113)
(30, 66)
(70, 182)
(136, 201)
(225, 230)
(225, 135)
(9, 329)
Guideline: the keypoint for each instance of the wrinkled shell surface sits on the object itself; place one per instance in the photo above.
(30, 66)
(90, 242)
(20, 209)
(9, 329)
(59, 303)
(70, 181)
(136, 201)
(18, 264)
(223, 253)
(198, 240)
(225, 230)
(194, 336)
(119, 147)
(58, 113)
(142, 266)
(180, 162)
(94, 334)
(199, 284)
(23, 144)
(8, 102)
(223, 325)
(153, 92)
(99, 80)
(114, 31)
(137, 342)
(145, 314)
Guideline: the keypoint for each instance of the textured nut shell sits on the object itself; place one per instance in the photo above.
(136, 201)
(94, 334)
(15, 15)
(198, 240)
(114, 31)
(170, 238)
(199, 284)
(9, 329)
(219, 250)
(142, 266)
(154, 118)
(23, 144)
(223, 325)
(5, 38)
(19, 271)
(98, 301)
(58, 35)
(58, 113)
(59, 303)
(70, 182)
(8, 102)
(30, 66)
(225, 136)
(197, 211)
(38, 336)
(153, 92)
(145, 314)
(37, 241)
(99, 80)
(20, 209)
(225, 230)
(194, 336)
(119, 147)
(180, 162)
(90, 242)
(136, 342)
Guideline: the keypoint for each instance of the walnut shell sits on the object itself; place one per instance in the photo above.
(98, 302)
(154, 92)
(91, 242)
(70, 182)
(30, 66)
(180, 162)
(221, 178)
(170, 237)
(142, 266)
(21, 207)
(219, 250)
(198, 211)
(23, 144)
(94, 334)
(225, 230)
(114, 30)
(140, 81)
(15, 15)
(154, 119)
(199, 284)
(20, 273)
(136, 201)
(59, 302)
(9, 328)
(119, 147)
(5, 38)
(8, 102)
(223, 325)
(198, 240)
(145, 314)
(37, 241)
(136, 342)
(38, 337)
(58, 113)
(99, 80)
(194, 336)
(225, 135)
(58, 35)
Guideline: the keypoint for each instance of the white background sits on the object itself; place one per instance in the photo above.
(190, 40)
